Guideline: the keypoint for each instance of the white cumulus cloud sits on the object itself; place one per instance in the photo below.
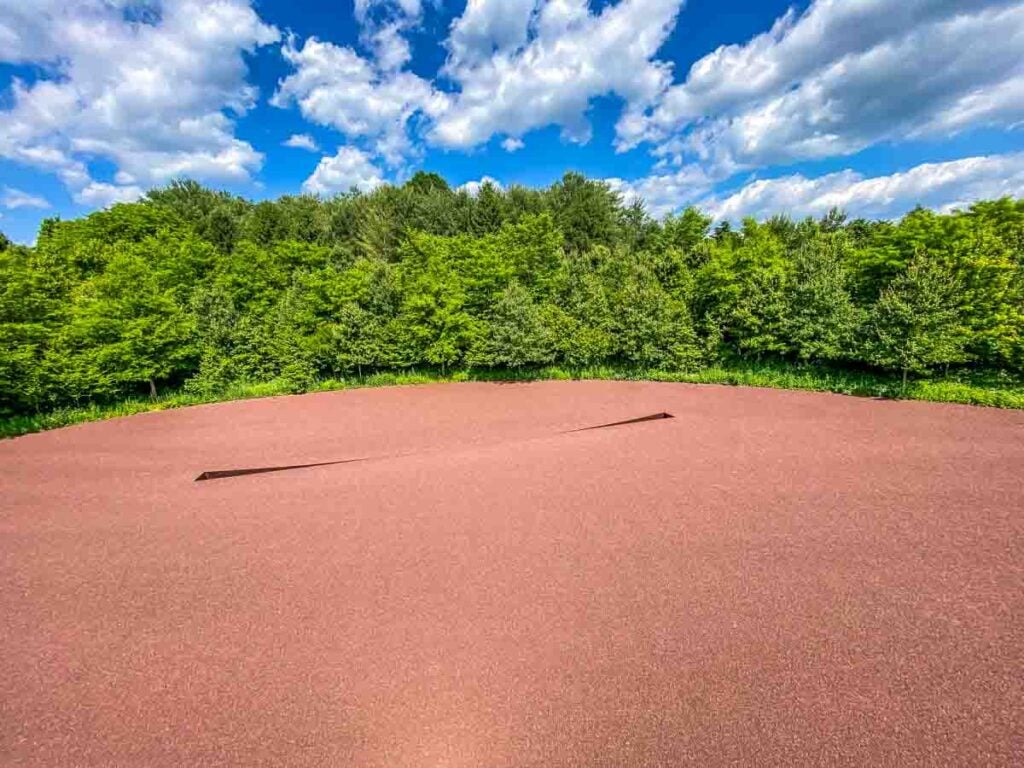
(666, 192)
(154, 93)
(513, 66)
(383, 25)
(486, 28)
(941, 186)
(569, 57)
(16, 198)
(473, 187)
(841, 77)
(301, 141)
(335, 86)
(154, 88)
(350, 168)
(99, 194)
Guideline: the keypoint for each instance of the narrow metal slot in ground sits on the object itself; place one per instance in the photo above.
(639, 419)
(219, 474)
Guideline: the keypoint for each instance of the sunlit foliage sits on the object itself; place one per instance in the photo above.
(195, 289)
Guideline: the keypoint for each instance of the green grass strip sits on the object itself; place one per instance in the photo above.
(987, 390)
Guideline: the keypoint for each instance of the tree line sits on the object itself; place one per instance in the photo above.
(198, 288)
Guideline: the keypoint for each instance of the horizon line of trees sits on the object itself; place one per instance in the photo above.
(198, 288)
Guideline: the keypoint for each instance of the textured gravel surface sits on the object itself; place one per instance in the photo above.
(768, 578)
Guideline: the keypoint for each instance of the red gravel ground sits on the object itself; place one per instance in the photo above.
(769, 578)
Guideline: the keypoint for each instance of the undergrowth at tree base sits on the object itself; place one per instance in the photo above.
(993, 389)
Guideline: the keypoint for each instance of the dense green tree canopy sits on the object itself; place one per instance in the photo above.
(197, 288)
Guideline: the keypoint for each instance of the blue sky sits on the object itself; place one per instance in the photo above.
(742, 107)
